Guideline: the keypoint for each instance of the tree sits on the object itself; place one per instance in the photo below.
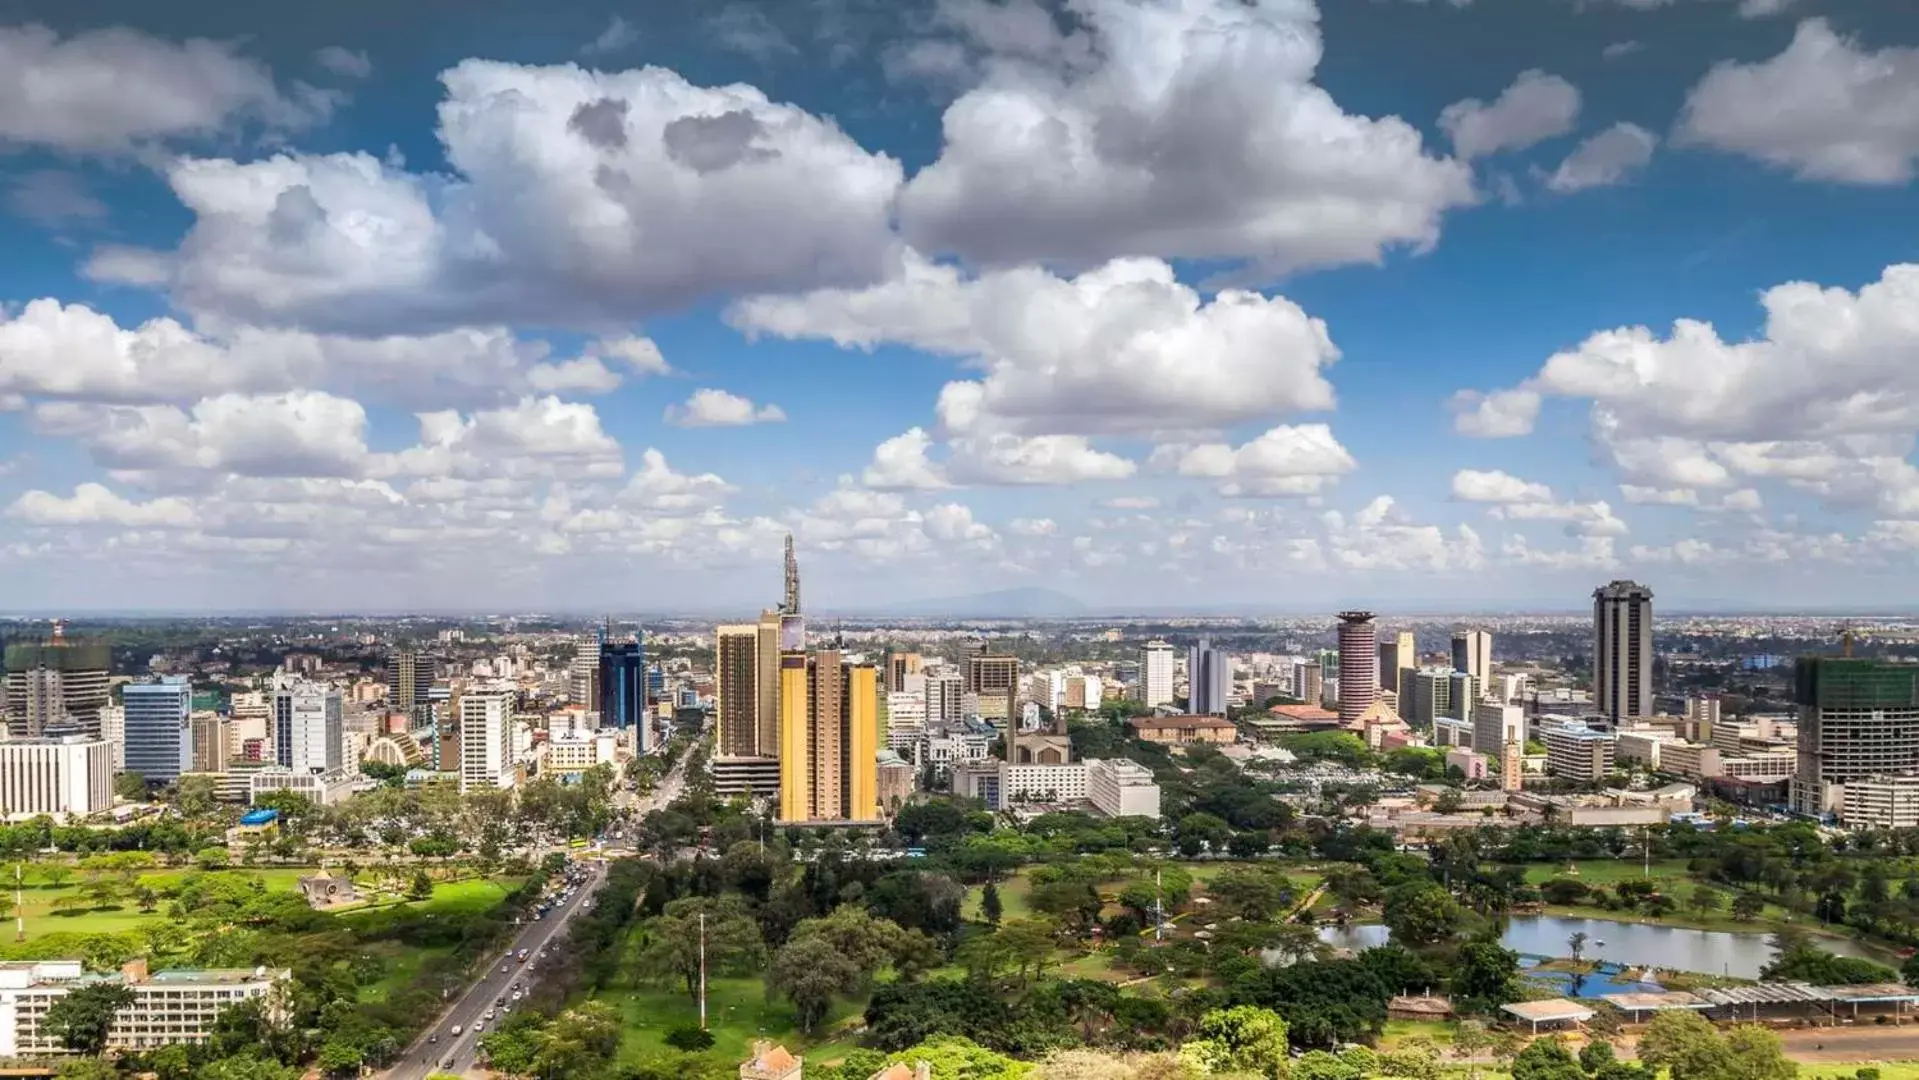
(1747, 906)
(1253, 893)
(421, 887)
(810, 972)
(689, 1039)
(1420, 913)
(81, 1019)
(1547, 1059)
(671, 940)
(1685, 1044)
(130, 786)
(195, 795)
(990, 907)
(1242, 1039)
(145, 896)
(1485, 976)
(1704, 901)
(1577, 943)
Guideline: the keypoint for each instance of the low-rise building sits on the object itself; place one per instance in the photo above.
(63, 776)
(1471, 764)
(1120, 788)
(322, 789)
(1575, 752)
(898, 780)
(1181, 730)
(1043, 783)
(1880, 802)
(168, 1007)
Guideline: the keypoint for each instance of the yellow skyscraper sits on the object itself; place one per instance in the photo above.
(829, 738)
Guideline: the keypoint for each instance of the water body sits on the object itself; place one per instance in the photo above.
(1714, 952)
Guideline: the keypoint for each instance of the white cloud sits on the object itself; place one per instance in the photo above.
(297, 433)
(1130, 502)
(1125, 348)
(1380, 537)
(111, 90)
(94, 504)
(53, 197)
(1825, 109)
(1619, 50)
(1589, 519)
(1592, 553)
(1033, 527)
(1006, 458)
(1608, 158)
(582, 197)
(707, 407)
(534, 436)
(1637, 495)
(900, 464)
(1495, 486)
(344, 61)
(1289, 460)
(1499, 415)
(657, 488)
(1536, 107)
(618, 36)
(1176, 128)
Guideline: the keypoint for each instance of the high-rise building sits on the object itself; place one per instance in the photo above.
(899, 665)
(59, 683)
(1431, 698)
(623, 688)
(583, 674)
(1155, 674)
(736, 669)
(1576, 752)
(486, 740)
(1209, 679)
(1309, 681)
(1083, 692)
(1495, 725)
(1702, 719)
(1396, 653)
(945, 696)
(1473, 654)
(829, 738)
(1358, 664)
(213, 742)
(1622, 650)
(995, 678)
(1858, 719)
(1461, 691)
(309, 730)
(159, 736)
(113, 728)
(408, 678)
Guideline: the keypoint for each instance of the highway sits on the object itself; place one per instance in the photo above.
(460, 1053)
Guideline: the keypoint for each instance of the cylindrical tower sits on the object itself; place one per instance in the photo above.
(1358, 664)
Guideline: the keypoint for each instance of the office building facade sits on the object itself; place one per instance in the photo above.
(69, 776)
(1155, 674)
(1358, 664)
(168, 1007)
(1209, 679)
(829, 739)
(736, 692)
(1396, 654)
(212, 742)
(1622, 651)
(623, 689)
(1578, 753)
(1858, 719)
(59, 683)
(309, 731)
(995, 679)
(1473, 654)
(486, 740)
(159, 733)
(408, 678)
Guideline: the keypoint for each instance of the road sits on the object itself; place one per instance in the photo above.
(423, 1058)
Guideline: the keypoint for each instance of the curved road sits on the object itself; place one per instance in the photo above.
(422, 1058)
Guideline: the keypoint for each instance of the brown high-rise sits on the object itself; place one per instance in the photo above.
(1358, 664)
(995, 679)
(829, 738)
(736, 680)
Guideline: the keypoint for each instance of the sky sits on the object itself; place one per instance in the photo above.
(1161, 304)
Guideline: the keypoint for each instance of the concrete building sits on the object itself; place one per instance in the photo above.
(168, 1007)
(1209, 679)
(756, 777)
(1155, 674)
(995, 679)
(1471, 765)
(1622, 650)
(1857, 719)
(1397, 653)
(1180, 730)
(1432, 696)
(945, 697)
(308, 726)
(897, 780)
(1702, 718)
(409, 677)
(159, 735)
(67, 776)
(1358, 664)
(486, 740)
(113, 728)
(901, 665)
(978, 780)
(1880, 802)
(1462, 691)
(212, 742)
(829, 738)
(320, 788)
(1579, 753)
(1043, 783)
(1120, 788)
(1473, 654)
(1083, 692)
(1309, 682)
(1495, 725)
(61, 682)
(574, 752)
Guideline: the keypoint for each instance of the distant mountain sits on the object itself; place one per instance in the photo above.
(1003, 604)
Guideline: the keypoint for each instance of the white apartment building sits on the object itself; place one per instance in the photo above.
(944, 696)
(1120, 788)
(1156, 667)
(168, 1006)
(578, 751)
(486, 740)
(1043, 783)
(905, 720)
(67, 776)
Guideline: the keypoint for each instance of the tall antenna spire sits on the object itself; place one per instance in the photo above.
(792, 604)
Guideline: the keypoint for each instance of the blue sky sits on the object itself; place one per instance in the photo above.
(1159, 303)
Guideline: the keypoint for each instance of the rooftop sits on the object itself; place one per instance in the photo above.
(1552, 1009)
(1674, 999)
(1190, 723)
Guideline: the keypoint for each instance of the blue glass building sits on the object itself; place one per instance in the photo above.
(158, 731)
(623, 687)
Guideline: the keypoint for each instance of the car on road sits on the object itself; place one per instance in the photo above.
(447, 1063)
(456, 1031)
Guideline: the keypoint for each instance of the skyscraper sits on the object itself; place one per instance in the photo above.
(829, 738)
(1473, 654)
(583, 674)
(1209, 679)
(212, 742)
(61, 682)
(1396, 654)
(1358, 664)
(1428, 696)
(899, 665)
(1622, 650)
(1857, 719)
(623, 687)
(486, 740)
(736, 667)
(159, 737)
(308, 729)
(408, 678)
(1155, 674)
(995, 678)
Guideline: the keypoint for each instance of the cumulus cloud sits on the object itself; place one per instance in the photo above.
(1608, 158)
(112, 90)
(94, 504)
(582, 197)
(1289, 460)
(1175, 128)
(654, 486)
(1825, 109)
(1496, 486)
(901, 464)
(297, 433)
(1122, 349)
(534, 436)
(344, 61)
(708, 407)
(1536, 107)
(1498, 415)
(1006, 458)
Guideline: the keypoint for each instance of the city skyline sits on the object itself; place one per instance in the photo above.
(1466, 307)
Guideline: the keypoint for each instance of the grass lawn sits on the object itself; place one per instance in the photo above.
(1014, 891)
(1891, 1070)
(737, 1012)
(400, 966)
(1439, 1032)
(1610, 871)
(39, 900)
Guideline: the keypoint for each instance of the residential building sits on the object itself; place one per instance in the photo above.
(308, 726)
(1179, 730)
(1473, 654)
(1622, 650)
(61, 682)
(159, 735)
(409, 677)
(1397, 653)
(212, 742)
(66, 776)
(829, 738)
(995, 679)
(1358, 664)
(1209, 679)
(486, 740)
(168, 1007)
(1120, 788)
(1858, 718)
(736, 665)
(1155, 674)
(113, 728)
(1579, 753)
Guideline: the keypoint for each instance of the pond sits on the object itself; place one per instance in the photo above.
(1713, 952)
